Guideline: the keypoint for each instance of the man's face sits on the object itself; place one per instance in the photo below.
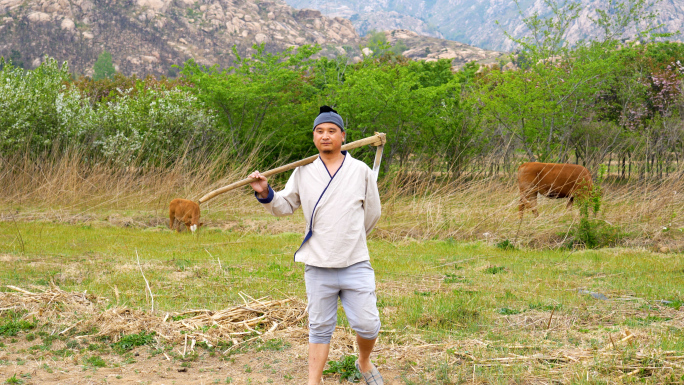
(328, 138)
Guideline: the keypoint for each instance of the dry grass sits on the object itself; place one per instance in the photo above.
(634, 214)
(414, 205)
(70, 183)
(426, 286)
(548, 355)
(82, 314)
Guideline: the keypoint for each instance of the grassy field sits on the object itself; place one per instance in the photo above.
(452, 311)
(89, 266)
(69, 189)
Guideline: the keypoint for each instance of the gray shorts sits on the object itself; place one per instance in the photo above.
(355, 286)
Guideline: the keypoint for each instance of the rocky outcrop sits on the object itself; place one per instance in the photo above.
(149, 36)
(432, 49)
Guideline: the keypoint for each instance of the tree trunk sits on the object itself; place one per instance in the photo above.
(610, 159)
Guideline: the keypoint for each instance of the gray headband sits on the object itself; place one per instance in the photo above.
(328, 115)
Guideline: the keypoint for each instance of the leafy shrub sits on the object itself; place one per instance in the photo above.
(345, 368)
(494, 269)
(505, 245)
(148, 123)
(154, 126)
(591, 232)
(11, 324)
(95, 361)
(129, 341)
(30, 118)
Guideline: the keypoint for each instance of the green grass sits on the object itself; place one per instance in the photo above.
(14, 380)
(184, 272)
(130, 341)
(436, 290)
(95, 361)
(276, 344)
(11, 323)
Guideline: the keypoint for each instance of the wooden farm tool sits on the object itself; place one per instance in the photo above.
(377, 140)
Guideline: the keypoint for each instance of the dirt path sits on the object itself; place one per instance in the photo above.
(287, 366)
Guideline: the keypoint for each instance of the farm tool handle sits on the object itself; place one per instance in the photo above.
(376, 140)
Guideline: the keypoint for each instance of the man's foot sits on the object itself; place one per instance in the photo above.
(372, 377)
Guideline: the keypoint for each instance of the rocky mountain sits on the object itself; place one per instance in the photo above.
(474, 22)
(149, 36)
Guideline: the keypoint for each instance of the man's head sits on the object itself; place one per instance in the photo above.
(328, 132)
(328, 115)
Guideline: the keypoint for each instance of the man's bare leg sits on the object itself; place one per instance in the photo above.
(318, 355)
(365, 349)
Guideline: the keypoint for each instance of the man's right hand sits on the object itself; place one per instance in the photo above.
(260, 185)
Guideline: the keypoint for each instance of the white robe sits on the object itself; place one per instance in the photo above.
(346, 213)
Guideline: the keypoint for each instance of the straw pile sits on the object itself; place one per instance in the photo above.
(618, 357)
(80, 313)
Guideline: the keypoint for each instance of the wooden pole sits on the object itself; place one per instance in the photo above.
(376, 140)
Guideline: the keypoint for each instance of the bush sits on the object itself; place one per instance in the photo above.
(345, 368)
(120, 121)
(591, 232)
(154, 126)
(32, 105)
(505, 245)
(11, 324)
(129, 341)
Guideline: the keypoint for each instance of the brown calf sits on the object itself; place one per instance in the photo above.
(553, 180)
(184, 211)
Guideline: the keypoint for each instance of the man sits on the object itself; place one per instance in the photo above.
(340, 200)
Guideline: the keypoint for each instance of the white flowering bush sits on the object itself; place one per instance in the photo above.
(29, 118)
(75, 115)
(151, 126)
(154, 126)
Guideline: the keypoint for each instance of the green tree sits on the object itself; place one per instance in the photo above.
(264, 101)
(15, 58)
(104, 68)
(377, 42)
(402, 99)
(544, 104)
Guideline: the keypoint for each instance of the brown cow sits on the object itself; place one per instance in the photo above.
(554, 180)
(184, 211)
